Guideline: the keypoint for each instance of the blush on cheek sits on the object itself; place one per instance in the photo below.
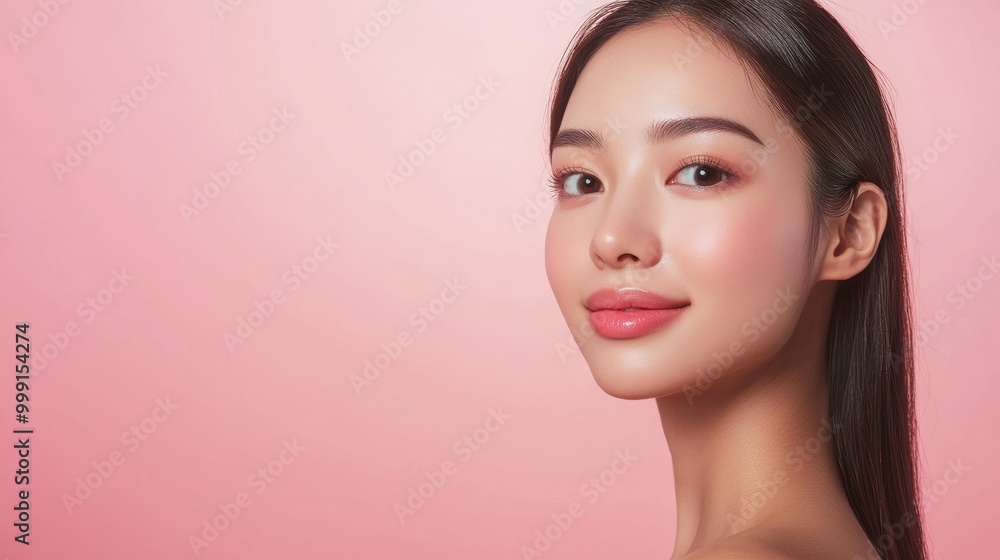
(561, 257)
(719, 250)
(764, 241)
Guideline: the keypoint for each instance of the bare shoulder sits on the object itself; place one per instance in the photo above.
(785, 544)
(742, 549)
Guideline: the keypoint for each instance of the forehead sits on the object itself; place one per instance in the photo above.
(666, 70)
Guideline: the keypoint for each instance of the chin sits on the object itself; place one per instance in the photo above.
(634, 385)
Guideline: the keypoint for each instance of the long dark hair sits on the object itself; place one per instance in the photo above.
(799, 49)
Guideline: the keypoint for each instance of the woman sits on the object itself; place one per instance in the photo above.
(729, 239)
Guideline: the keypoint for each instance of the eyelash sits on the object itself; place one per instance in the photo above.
(556, 179)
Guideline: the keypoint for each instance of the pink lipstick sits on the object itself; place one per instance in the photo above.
(630, 312)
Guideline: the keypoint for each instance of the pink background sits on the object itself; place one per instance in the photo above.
(497, 344)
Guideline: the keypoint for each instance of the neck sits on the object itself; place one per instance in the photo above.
(752, 444)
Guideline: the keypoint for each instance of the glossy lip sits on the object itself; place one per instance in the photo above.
(625, 298)
(630, 312)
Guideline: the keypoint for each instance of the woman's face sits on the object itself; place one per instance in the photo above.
(712, 215)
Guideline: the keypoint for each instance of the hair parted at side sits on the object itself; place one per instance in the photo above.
(798, 48)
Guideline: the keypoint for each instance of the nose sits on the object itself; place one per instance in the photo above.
(628, 234)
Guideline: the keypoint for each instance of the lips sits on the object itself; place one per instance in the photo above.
(631, 312)
(624, 299)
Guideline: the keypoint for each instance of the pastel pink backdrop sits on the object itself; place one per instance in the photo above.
(198, 79)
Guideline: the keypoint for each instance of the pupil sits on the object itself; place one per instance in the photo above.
(707, 175)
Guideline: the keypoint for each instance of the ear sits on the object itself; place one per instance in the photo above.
(855, 235)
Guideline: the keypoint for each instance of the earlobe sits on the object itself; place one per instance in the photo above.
(855, 235)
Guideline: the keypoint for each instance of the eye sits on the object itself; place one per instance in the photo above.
(572, 183)
(700, 175)
(703, 172)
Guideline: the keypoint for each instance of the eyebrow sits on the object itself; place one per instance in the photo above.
(658, 131)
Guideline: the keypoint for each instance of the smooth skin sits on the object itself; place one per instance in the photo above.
(739, 377)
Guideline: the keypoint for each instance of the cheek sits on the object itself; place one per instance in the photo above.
(743, 251)
(562, 257)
